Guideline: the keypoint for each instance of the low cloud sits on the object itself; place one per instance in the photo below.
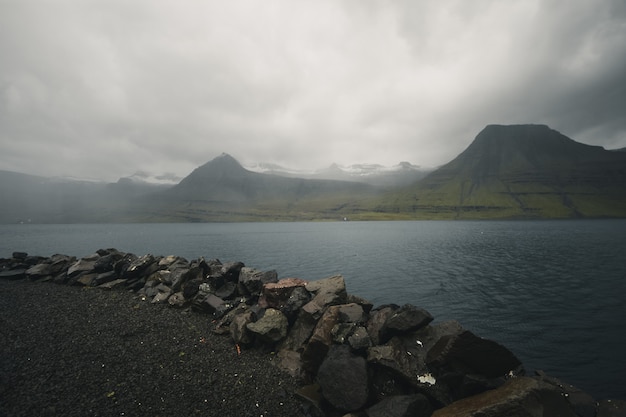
(101, 90)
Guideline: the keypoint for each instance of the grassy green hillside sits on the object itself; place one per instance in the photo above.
(524, 171)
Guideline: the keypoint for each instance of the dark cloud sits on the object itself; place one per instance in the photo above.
(101, 90)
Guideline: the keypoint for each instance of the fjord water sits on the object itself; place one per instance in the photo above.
(554, 292)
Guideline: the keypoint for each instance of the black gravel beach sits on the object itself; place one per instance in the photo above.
(72, 351)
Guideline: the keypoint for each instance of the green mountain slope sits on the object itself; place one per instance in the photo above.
(519, 171)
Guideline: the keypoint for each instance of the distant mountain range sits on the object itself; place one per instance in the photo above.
(518, 171)
(401, 174)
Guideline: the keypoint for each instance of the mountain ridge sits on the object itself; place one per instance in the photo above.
(507, 171)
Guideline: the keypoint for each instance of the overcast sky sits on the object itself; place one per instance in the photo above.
(101, 89)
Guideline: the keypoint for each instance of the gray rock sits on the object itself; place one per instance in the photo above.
(80, 266)
(161, 298)
(39, 271)
(320, 341)
(359, 340)
(210, 304)
(177, 300)
(239, 331)
(104, 277)
(402, 406)
(405, 319)
(343, 379)
(253, 280)
(12, 274)
(352, 313)
(377, 320)
(271, 328)
(328, 291)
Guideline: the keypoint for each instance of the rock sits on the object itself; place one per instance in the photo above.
(12, 274)
(87, 280)
(161, 297)
(402, 406)
(20, 256)
(177, 300)
(612, 408)
(80, 266)
(328, 291)
(365, 304)
(271, 328)
(230, 271)
(343, 379)
(178, 276)
(405, 319)
(300, 333)
(210, 304)
(107, 261)
(320, 341)
(144, 265)
(377, 320)
(359, 340)
(239, 331)
(276, 295)
(518, 397)
(39, 271)
(391, 356)
(341, 331)
(253, 279)
(583, 404)
(290, 362)
(312, 397)
(470, 354)
(227, 291)
(351, 313)
(191, 288)
(104, 277)
(298, 298)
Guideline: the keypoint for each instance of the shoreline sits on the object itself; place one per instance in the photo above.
(314, 328)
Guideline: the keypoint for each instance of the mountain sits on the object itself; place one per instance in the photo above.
(30, 198)
(520, 171)
(222, 189)
(378, 175)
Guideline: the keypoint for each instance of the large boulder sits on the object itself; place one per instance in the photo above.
(343, 379)
(469, 354)
(405, 319)
(518, 397)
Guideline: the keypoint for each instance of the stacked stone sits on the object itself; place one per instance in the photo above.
(351, 358)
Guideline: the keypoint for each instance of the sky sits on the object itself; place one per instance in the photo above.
(100, 89)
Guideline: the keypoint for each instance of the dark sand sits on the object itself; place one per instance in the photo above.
(69, 351)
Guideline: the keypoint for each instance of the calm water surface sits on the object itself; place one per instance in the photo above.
(552, 291)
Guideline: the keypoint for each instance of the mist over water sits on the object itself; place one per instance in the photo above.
(551, 291)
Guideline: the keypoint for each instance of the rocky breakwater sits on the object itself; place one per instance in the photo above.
(351, 358)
